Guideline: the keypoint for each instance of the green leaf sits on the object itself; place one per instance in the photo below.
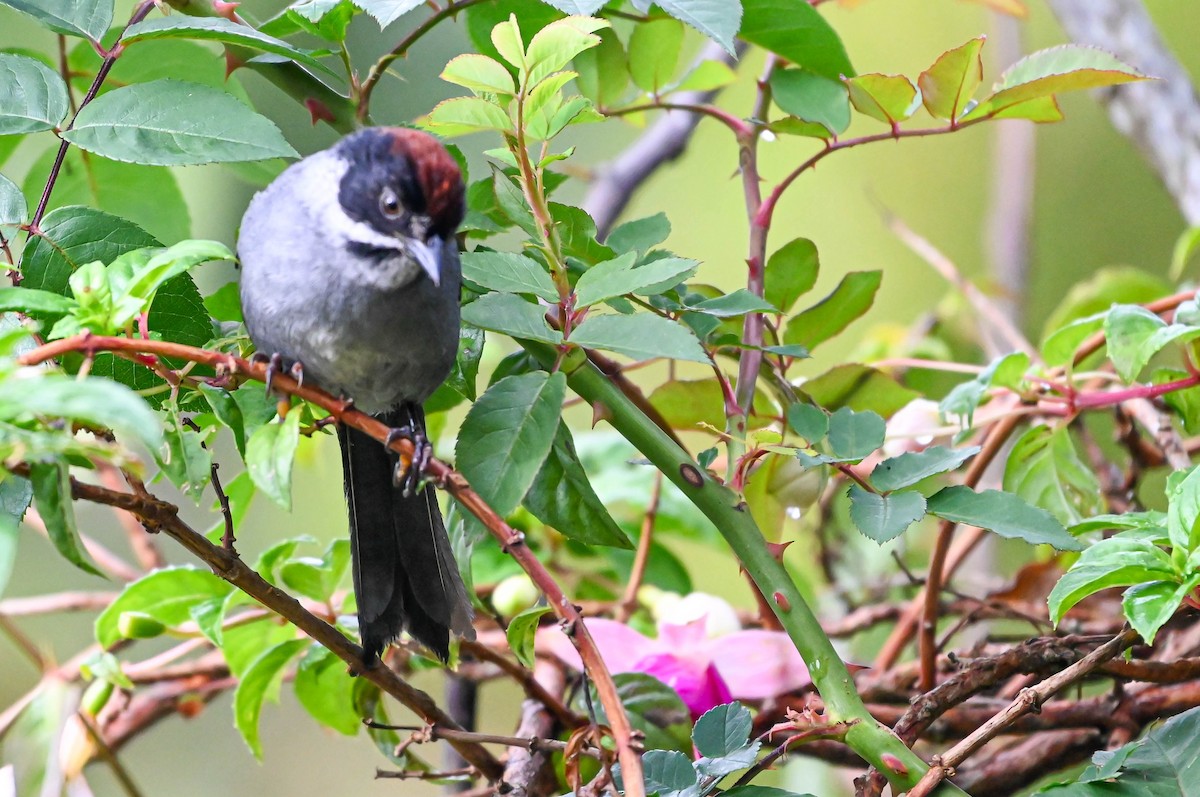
(270, 452)
(261, 680)
(1149, 606)
(889, 98)
(654, 48)
(318, 578)
(175, 123)
(948, 85)
(791, 272)
(1135, 335)
(1183, 509)
(1004, 513)
(35, 97)
(15, 495)
(510, 273)
(182, 26)
(508, 434)
(1185, 249)
(640, 235)
(811, 423)
(603, 71)
(739, 302)
(94, 401)
(854, 435)
(1113, 562)
(1186, 402)
(185, 460)
(13, 210)
(641, 337)
(690, 403)
(531, 16)
(479, 74)
(706, 76)
(326, 690)
(1008, 370)
(553, 47)
(224, 304)
(912, 467)
(853, 296)
(88, 19)
(1039, 109)
(167, 595)
(653, 708)
(722, 730)
(1045, 469)
(148, 196)
(386, 12)
(28, 300)
(512, 315)
(561, 496)
(226, 410)
(617, 277)
(717, 19)
(668, 773)
(884, 517)
(521, 631)
(52, 493)
(750, 790)
(743, 758)
(1060, 345)
(813, 99)
(1069, 67)
(463, 115)
(798, 32)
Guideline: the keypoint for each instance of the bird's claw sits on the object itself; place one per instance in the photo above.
(275, 367)
(408, 479)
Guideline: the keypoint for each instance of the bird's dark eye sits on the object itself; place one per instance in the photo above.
(389, 203)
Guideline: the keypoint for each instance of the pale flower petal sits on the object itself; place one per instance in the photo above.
(720, 617)
(758, 664)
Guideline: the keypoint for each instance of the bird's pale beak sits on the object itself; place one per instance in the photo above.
(427, 258)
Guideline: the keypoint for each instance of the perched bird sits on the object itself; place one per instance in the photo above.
(351, 278)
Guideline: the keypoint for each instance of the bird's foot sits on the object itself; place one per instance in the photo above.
(275, 367)
(408, 478)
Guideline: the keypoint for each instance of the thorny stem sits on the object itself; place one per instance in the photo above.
(379, 68)
(105, 67)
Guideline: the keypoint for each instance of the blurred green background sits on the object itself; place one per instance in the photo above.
(1095, 205)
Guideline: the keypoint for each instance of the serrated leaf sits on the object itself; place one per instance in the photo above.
(884, 517)
(167, 595)
(654, 48)
(722, 730)
(743, 758)
(520, 633)
(562, 496)
(15, 495)
(86, 18)
(386, 12)
(479, 74)
(911, 467)
(52, 496)
(182, 26)
(1149, 606)
(175, 123)
(812, 99)
(13, 209)
(1113, 562)
(553, 47)
(948, 85)
(739, 302)
(270, 452)
(512, 315)
(258, 682)
(853, 296)
(889, 98)
(318, 578)
(603, 70)
(811, 423)
(668, 773)
(1069, 67)
(1044, 468)
(640, 235)
(854, 435)
(798, 32)
(507, 435)
(326, 690)
(641, 337)
(94, 401)
(1135, 334)
(1183, 509)
(34, 99)
(719, 20)
(1004, 513)
(509, 273)
(791, 272)
(619, 276)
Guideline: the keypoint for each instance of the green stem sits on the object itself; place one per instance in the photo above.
(871, 740)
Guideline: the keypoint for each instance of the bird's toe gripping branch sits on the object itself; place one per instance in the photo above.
(408, 476)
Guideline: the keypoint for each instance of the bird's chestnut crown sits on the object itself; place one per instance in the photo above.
(401, 182)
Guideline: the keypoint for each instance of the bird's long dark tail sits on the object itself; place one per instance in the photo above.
(405, 576)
